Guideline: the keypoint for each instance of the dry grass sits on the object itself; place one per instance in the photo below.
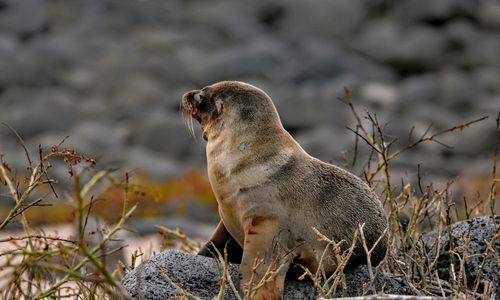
(36, 265)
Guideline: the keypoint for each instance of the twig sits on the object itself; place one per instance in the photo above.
(494, 180)
(167, 279)
(34, 203)
(433, 136)
(23, 145)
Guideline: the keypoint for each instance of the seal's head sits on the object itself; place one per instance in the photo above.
(228, 103)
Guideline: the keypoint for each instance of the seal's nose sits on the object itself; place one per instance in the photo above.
(200, 97)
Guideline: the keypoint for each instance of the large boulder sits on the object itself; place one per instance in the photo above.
(471, 237)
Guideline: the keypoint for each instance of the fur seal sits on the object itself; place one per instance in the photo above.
(271, 193)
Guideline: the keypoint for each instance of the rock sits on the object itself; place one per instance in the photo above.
(91, 136)
(478, 139)
(154, 164)
(380, 94)
(298, 107)
(435, 12)
(199, 276)
(152, 12)
(407, 49)
(325, 60)
(475, 232)
(324, 18)
(237, 21)
(387, 297)
(456, 91)
(325, 142)
(166, 134)
(320, 59)
(311, 104)
(417, 89)
(122, 68)
(24, 18)
(358, 277)
(489, 13)
(449, 92)
(261, 56)
(488, 79)
(469, 46)
(79, 79)
(196, 274)
(31, 112)
(19, 65)
(135, 91)
(367, 69)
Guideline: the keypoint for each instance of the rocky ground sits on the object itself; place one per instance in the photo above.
(173, 272)
(110, 74)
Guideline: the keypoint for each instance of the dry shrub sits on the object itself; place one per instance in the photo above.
(36, 265)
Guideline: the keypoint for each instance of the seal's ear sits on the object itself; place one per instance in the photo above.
(218, 105)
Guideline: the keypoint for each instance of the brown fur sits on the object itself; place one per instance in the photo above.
(271, 193)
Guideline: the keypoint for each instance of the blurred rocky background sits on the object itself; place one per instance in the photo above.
(110, 73)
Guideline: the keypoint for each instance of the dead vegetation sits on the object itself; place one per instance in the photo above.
(38, 266)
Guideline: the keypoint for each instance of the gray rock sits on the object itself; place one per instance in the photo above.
(325, 142)
(324, 18)
(417, 89)
(318, 59)
(450, 89)
(199, 276)
(311, 104)
(24, 18)
(238, 21)
(476, 232)
(91, 136)
(35, 111)
(435, 11)
(152, 12)
(359, 277)
(134, 91)
(298, 107)
(469, 46)
(456, 90)
(261, 56)
(154, 164)
(125, 65)
(380, 94)
(166, 133)
(489, 13)
(367, 69)
(407, 49)
(20, 65)
(487, 78)
(476, 140)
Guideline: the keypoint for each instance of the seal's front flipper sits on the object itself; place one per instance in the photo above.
(221, 239)
(265, 260)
